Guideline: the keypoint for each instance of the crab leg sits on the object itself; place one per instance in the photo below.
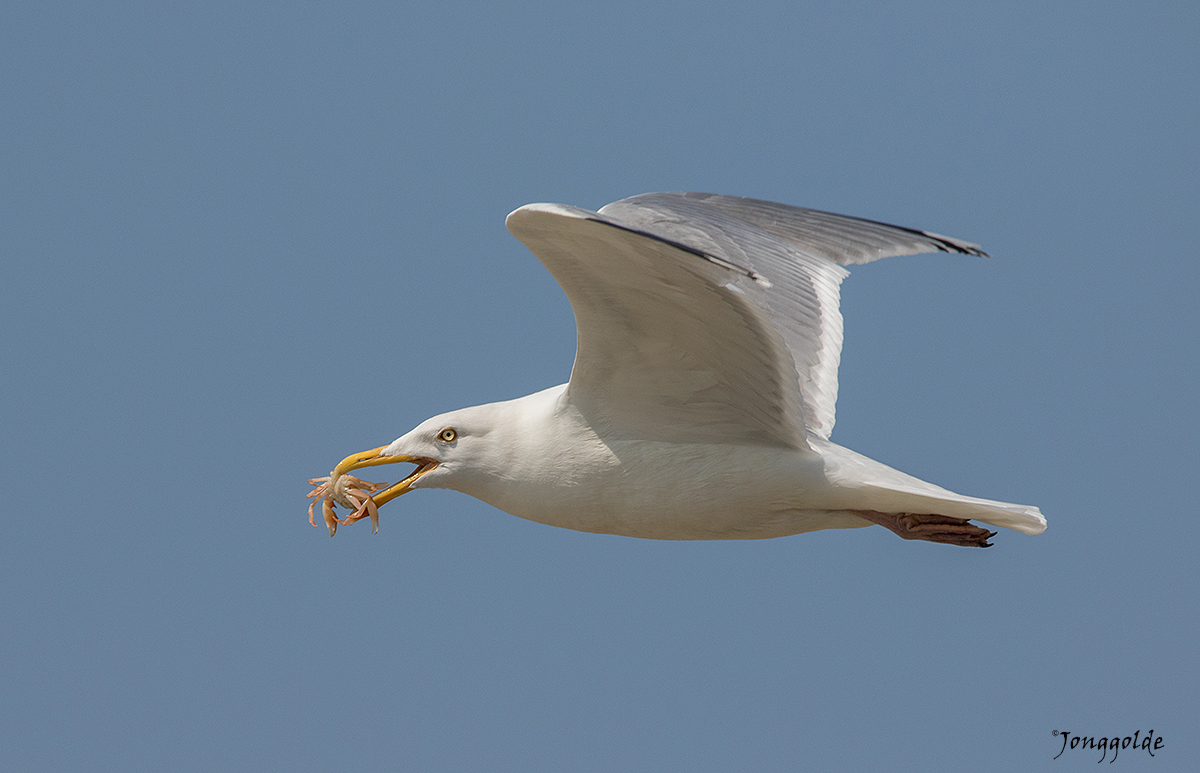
(368, 508)
(331, 519)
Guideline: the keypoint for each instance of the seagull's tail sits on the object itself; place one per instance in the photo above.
(869, 485)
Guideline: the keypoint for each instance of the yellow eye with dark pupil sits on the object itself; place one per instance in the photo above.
(447, 435)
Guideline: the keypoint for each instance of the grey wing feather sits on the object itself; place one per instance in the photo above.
(669, 349)
(843, 239)
(795, 258)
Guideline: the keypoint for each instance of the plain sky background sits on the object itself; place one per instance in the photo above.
(242, 240)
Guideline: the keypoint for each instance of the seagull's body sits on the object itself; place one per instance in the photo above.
(702, 396)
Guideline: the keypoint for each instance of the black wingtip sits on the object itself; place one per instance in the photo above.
(946, 244)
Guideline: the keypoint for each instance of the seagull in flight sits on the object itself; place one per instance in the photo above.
(702, 396)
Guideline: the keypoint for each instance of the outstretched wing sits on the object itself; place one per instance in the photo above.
(705, 318)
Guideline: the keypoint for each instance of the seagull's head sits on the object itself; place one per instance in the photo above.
(448, 450)
(485, 451)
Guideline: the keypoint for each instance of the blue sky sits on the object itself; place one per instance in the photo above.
(241, 240)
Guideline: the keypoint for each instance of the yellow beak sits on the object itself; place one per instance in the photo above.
(376, 457)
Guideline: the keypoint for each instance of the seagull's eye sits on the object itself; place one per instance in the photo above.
(448, 435)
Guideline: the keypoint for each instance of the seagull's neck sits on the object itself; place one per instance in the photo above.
(538, 445)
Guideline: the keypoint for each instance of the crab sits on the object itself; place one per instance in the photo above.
(348, 491)
(361, 496)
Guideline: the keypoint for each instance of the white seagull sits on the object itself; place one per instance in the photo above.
(702, 396)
